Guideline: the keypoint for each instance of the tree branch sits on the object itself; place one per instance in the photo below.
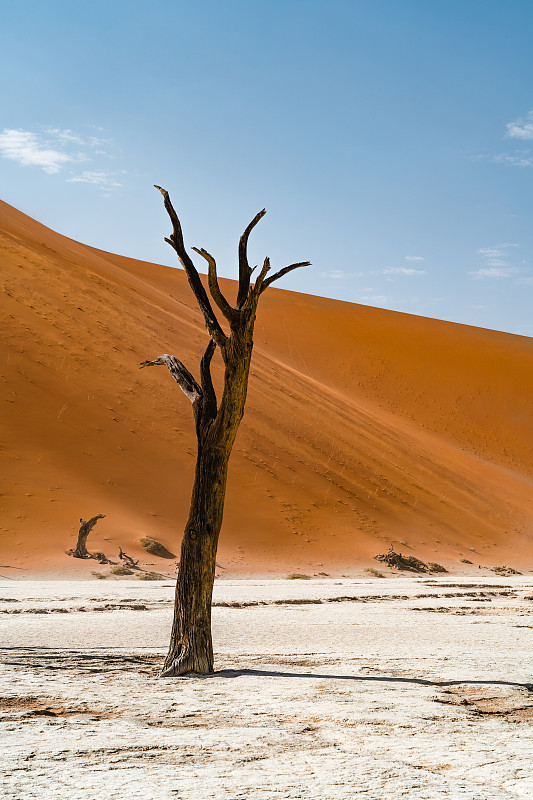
(244, 268)
(214, 287)
(210, 398)
(176, 241)
(283, 272)
(180, 373)
(88, 525)
(261, 277)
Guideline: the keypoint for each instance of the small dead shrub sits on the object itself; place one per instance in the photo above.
(465, 561)
(99, 575)
(120, 569)
(155, 548)
(374, 572)
(503, 570)
(433, 567)
(298, 576)
(151, 576)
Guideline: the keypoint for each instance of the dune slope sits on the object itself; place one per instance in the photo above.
(363, 427)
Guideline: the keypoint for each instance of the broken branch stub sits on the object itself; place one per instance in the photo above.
(179, 372)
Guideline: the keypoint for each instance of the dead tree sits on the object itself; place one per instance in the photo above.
(84, 531)
(191, 648)
(127, 560)
(410, 563)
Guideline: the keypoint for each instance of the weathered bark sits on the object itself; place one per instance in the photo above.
(191, 648)
(84, 531)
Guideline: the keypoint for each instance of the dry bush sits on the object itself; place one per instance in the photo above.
(376, 573)
(433, 567)
(298, 576)
(151, 576)
(465, 561)
(121, 570)
(155, 548)
(503, 570)
(98, 574)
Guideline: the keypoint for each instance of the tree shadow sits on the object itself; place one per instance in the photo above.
(49, 658)
(264, 673)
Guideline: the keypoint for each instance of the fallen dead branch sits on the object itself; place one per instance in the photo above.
(409, 563)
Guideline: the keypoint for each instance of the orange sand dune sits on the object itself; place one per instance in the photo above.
(363, 427)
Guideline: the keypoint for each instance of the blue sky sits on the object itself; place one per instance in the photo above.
(391, 141)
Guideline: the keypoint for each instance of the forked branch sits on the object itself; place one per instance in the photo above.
(260, 279)
(263, 282)
(283, 272)
(244, 268)
(176, 241)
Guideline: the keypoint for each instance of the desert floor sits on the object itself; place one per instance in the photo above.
(376, 688)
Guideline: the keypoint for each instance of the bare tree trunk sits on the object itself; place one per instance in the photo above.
(84, 531)
(191, 648)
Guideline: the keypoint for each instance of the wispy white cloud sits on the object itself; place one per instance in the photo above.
(25, 147)
(65, 135)
(99, 145)
(390, 271)
(495, 264)
(372, 298)
(490, 252)
(513, 160)
(494, 272)
(52, 149)
(414, 258)
(336, 274)
(403, 271)
(526, 281)
(96, 177)
(521, 128)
